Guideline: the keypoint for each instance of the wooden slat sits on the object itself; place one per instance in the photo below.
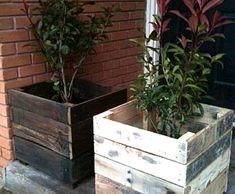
(97, 105)
(219, 185)
(157, 166)
(206, 137)
(40, 106)
(199, 183)
(106, 186)
(207, 157)
(132, 178)
(151, 164)
(47, 161)
(148, 184)
(43, 125)
(140, 139)
(46, 140)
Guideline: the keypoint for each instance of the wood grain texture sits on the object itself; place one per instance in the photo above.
(97, 105)
(61, 168)
(140, 139)
(106, 186)
(40, 106)
(219, 185)
(148, 184)
(157, 166)
(120, 124)
(43, 139)
(40, 124)
(133, 178)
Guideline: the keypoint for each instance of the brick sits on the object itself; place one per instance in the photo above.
(17, 83)
(42, 77)
(4, 122)
(12, 36)
(7, 49)
(6, 23)
(27, 47)
(31, 70)
(4, 162)
(7, 74)
(9, 9)
(38, 58)
(7, 154)
(3, 98)
(15, 61)
(4, 110)
(5, 132)
(5, 143)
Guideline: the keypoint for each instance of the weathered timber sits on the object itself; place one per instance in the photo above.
(59, 167)
(44, 107)
(114, 125)
(66, 130)
(106, 186)
(219, 185)
(125, 153)
(148, 184)
(51, 142)
(133, 178)
(97, 105)
(155, 165)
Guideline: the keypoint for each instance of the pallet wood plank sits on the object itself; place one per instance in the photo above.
(45, 140)
(55, 165)
(198, 184)
(176, 173)
(141, 161)
(148, 184)
(44, 125)
(207, 157)
(40, 106)
(206, 137)
(140, 139)
(219, 185)
(106, 186)
(97, 105)
(132, 178)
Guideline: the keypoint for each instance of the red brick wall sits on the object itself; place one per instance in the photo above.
(20, 65)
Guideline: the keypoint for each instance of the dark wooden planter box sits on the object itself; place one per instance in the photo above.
(57, 138)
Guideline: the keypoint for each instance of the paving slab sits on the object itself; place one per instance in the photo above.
(22, 179)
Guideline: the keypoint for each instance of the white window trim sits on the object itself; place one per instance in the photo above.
(150, 11)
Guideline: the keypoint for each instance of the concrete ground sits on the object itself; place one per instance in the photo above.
(231, 186)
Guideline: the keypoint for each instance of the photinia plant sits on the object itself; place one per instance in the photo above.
(170, 89)
(64, 36)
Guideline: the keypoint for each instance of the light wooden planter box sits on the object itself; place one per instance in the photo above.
(129, 159)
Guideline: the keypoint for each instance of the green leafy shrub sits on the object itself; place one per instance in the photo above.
(172, 87)
(63, 35)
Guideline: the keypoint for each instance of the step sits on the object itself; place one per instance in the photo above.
(23, 179)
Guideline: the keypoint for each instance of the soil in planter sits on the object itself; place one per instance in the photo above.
(45, 90)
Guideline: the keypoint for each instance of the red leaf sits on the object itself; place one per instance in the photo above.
(193, 23)
(162, 6)
(223, 23)
(211, 4)
(190, 4)
(204, 20)
(165, 25)
(176, 12)
(183, 41)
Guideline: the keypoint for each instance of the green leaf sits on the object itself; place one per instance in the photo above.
(65, 50)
